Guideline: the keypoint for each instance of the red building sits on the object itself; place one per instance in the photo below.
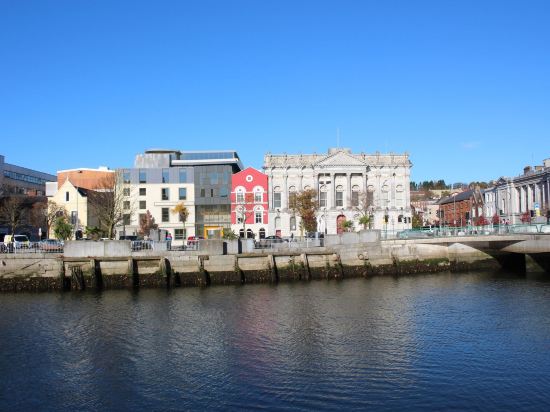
(249, 203)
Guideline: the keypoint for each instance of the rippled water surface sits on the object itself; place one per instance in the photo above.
(447, 341)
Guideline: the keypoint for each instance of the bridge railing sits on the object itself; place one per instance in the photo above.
(448, 231)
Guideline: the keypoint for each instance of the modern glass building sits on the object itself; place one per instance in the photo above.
(201, 181)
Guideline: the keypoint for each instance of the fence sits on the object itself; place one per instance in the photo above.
(467, 231)
(32, 247)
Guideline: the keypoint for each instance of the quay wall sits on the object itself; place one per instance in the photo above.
(112, 265)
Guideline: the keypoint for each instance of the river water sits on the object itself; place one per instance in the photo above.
(445, 341)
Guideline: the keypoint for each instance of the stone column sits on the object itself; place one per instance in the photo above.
(284, 197)
(347, 204)
(332, 192)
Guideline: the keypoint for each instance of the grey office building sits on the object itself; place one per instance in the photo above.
(22, 181)
(206, 174)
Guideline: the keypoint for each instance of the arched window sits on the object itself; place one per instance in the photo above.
(239, 194)
(323, 196)
(355, 196)
(291, 196)
(277, 197)
(241, 233)
(258, 194)
(339, 196)
(262, 233)
(292, 223)
(249, 234)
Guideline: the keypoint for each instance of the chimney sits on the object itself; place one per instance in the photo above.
(526, 170)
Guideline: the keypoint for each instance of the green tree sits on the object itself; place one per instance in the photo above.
(182, 212)
(417, 221)
(229, 234)
(62, 229)
(365, 220)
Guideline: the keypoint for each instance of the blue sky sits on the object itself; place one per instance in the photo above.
(463, 86)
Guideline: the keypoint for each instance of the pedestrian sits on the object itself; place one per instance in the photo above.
(168, 240)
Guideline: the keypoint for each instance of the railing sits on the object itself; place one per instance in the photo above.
(31, 247)
(289, 243)
(488, 230)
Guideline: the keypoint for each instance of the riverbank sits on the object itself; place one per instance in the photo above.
(160, 269)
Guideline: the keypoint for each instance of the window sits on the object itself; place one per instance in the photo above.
(355, 196)
(126, 205)
(126, 191)
(74, 217)
(224, 191)
(240, 197)
(277, 197)
(399, 218)
(183, 175)
(211, 192)
(126, 177)
(323, 196)
(66, 196)
(182, 193)
(258, 216)
(142, 191)
(179, 234)
(142, 204)
(258, 197)
(339, 196)
(165, 176)
(142, 176)
(240, 214)
(165, 214)
(126, 219)
(165, 193)
(203, 192)
(292, 223)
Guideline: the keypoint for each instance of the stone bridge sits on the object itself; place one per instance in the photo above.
(509, 250)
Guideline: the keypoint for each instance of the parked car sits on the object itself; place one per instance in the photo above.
(17, 241)
(193, 241)
(413, 234)
(51, 245)
(268, 241)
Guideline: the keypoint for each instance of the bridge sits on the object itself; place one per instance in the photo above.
(510, 250)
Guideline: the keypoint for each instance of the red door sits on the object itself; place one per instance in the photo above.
(340, 224)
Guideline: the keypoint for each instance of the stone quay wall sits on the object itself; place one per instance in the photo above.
(112, 264)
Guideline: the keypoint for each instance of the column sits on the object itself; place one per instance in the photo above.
(284, 197)
(348, 197)
(332, 192)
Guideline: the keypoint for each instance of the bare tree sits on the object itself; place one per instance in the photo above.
(244, 209)
(45, 214)
(12, 212)
(108, 204)
(363, 207)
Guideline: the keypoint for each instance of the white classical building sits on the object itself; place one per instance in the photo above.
(348, 186)
(529, 193)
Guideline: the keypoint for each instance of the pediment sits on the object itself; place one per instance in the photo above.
(340, 159)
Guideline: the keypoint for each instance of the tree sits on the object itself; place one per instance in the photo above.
(346, 226)
(45, 213)
(12, 212)
(62, 229)
(417, 220)
(304, 204)
(364, 206)
(365, 221)
(229, 234)
(481, 221)
(244, 208)
(182, 212)
(146, 224)
(108, 204)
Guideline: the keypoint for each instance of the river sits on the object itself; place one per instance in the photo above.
(444, 341)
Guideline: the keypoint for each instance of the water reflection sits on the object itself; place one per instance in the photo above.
(441, 341)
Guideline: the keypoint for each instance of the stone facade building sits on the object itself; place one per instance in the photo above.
(526, 194)
(347, 185)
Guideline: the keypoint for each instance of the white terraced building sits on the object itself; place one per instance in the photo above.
(348, 185)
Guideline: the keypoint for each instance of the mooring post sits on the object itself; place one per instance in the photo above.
(272, 267)
(204, 277)
(305, 262)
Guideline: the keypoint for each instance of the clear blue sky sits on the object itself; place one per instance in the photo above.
(463, 86)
